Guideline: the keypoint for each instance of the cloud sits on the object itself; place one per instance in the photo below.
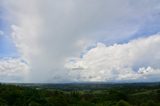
(1, 33)
(13, 70)
(137, 60)
(47, 32)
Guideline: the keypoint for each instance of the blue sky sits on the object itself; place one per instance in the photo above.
(7, 47)
(83, 40)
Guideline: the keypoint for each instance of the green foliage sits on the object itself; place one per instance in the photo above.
(32, 103)
(2, 102)
(123, 103)
(151, 103)
(11, 95)
(117, 95)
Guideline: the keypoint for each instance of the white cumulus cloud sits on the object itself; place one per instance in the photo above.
(137, 60)
(13, 70)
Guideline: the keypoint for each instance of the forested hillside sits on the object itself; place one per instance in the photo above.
(13, 95)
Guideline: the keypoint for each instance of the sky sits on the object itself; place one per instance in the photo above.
(61, 41)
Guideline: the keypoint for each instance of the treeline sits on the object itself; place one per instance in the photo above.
(11, 95)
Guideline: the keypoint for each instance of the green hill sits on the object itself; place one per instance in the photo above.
(117, 95)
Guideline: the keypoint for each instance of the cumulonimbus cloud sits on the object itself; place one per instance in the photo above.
(137, 60)
(46, 32)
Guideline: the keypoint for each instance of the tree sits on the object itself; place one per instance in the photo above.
(2, 102)
(122, 103)
(151, 103)
(33, 103)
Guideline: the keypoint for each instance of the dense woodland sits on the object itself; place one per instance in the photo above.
(16, 95)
